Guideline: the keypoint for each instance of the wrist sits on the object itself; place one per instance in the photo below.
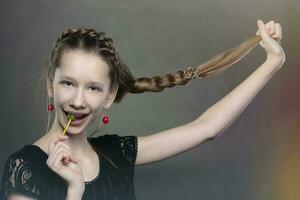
(75, 193)
(275, 61)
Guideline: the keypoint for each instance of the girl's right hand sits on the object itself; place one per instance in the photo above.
(271, 34)
(62, 161)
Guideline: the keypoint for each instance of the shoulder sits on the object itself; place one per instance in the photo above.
(17, 176)
(19, 159)
(28, 156)
(120, 148)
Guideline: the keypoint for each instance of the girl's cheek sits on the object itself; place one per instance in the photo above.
(63, 97)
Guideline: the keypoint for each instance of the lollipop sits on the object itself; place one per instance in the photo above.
(70, 118)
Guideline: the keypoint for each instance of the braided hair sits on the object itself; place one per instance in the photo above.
(89, 39)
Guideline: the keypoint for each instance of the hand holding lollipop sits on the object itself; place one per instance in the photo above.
(62, 161)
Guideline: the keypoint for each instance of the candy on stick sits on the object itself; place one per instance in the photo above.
(70, 118)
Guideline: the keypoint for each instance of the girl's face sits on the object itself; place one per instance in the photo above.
(80, 87)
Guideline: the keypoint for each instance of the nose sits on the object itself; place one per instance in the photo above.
(78, 101)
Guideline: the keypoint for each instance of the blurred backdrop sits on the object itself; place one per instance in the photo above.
(257, 157)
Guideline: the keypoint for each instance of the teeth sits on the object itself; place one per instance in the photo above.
(77, 116)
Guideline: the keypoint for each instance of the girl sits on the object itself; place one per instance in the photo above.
(85, 76)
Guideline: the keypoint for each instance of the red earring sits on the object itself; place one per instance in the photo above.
(105, 119)
(50, 107)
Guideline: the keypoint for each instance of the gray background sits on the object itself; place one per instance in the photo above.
(255, 158)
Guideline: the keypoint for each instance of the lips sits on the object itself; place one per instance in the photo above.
(79, 117)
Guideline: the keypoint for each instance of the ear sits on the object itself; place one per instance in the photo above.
(50, 85)
(111, 96)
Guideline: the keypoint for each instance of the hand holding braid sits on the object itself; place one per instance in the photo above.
(221, 61)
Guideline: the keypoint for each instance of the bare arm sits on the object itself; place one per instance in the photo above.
(214, 120)
(211, 123)
(221, 115)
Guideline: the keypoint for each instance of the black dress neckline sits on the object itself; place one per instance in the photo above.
(45, 155)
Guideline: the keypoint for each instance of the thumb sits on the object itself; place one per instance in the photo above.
(262, 30)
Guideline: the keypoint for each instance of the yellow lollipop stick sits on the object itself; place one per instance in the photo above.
(71, 118)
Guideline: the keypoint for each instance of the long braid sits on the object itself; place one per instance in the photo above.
(217, 64)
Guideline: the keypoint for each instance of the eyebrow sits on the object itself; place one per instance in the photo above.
(91, 82)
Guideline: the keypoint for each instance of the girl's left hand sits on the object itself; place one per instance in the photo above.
(271, 34)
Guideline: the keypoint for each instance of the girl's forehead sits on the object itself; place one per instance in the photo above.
(83, 65)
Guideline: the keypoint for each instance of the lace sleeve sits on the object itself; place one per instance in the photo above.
(129, 147)
(17, 179)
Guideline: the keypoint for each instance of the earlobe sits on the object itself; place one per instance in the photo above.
(107, 104)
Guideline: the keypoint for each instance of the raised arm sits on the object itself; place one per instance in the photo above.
(218, 117)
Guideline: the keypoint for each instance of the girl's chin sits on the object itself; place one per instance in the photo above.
(75, 130)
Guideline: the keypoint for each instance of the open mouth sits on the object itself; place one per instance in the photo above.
(79, 118)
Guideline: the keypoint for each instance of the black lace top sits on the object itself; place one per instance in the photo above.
(27, 173)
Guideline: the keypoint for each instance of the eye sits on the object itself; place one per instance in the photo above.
(67, 83)
(95, 88)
